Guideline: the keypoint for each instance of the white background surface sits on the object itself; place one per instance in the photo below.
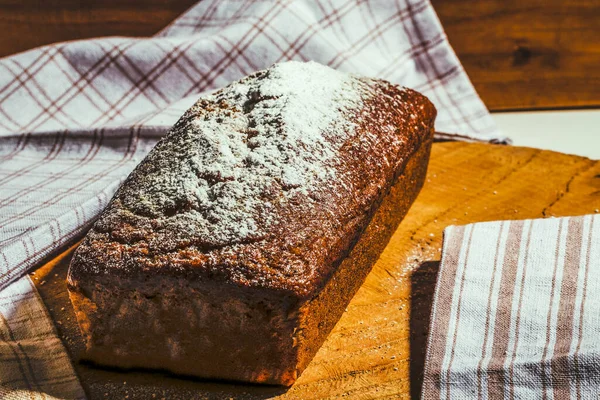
(573, 132)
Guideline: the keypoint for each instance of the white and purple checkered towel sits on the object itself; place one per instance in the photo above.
(76, 117)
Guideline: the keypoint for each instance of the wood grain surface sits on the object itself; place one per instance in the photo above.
(519, 54)
(527, 54)
(30, 23)
(377, 348)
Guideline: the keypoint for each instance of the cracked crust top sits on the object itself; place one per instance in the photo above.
(266, 183)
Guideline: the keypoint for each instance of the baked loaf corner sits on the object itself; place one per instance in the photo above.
(232, 250)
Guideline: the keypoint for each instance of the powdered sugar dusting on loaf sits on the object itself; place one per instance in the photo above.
(264, 140)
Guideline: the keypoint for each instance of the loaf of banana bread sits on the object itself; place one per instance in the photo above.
(234, 247)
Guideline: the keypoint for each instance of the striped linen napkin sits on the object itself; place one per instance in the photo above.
(76, 117)
(516, 313)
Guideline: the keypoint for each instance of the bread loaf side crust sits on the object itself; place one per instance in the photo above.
(201, 330)
(196, 277)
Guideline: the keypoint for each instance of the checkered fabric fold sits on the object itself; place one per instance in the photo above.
(516, 313)
(76, 117)
(33, 361)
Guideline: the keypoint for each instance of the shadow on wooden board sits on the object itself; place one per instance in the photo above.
(422, 289)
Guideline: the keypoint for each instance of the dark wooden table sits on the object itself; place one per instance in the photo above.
(520, 54)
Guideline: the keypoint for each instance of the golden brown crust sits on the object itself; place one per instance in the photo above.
(147, 326)
(309, 231)
(319, 315)
(294, 268)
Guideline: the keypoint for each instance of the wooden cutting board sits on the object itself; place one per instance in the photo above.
(377, 348)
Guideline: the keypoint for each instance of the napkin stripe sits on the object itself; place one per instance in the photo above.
(516, 307)
(557, 276)
(564, 323)
(526, 290)
(586, 266)
(494, 288)
(504, 300)
(455, 308)
(436, 351)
